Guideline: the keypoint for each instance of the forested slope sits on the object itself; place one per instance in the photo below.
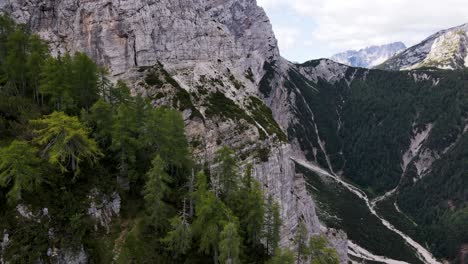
(384, 130)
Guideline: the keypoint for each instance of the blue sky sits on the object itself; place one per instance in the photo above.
(311, 29)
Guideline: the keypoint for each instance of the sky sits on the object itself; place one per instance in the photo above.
(312, 29)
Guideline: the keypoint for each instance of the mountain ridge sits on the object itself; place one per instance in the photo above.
(445, 49)
(370, 56)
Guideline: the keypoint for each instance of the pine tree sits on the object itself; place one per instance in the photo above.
(155, 189)
(178, 240)
(320, 253)
(19, 169)
(15, 63)
(7, 26)
(227, 181)
(54, 84)
(38, 51)
(251, 210)
(65, 141)
(272, 225)
(120, 94)
(104, 85)
(100, 117)
(229, 247)
(125, 139)
(300, 239)
(284, 256)
(84, 80)
(211, 214)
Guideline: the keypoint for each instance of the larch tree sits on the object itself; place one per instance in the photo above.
(251, 208)
(227, 177)
(154, 191)
(65, 141)
(19, 169)
(54, 84)
(229, 246)
(210, 216)
(282, 256)
(301, 241)
(15, 62)
(124, 139)
(272, 225)
(320, 253)
(38, 51)
(84, 80)
(179, 239)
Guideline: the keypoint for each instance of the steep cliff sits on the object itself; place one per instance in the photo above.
(210, 59)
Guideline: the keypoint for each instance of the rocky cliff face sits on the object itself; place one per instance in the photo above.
(446, 49)
(127, 34)
(218, 61)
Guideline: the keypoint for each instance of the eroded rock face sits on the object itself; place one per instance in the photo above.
(102, 208)
(126, 34)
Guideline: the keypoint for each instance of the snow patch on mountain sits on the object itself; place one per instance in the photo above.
(370, 56)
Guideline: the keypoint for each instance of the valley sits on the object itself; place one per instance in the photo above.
(349, 210)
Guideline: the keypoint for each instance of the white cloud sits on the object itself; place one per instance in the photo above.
(287, 36)
(346, 24)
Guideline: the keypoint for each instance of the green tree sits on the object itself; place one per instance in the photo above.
(19, 169)
(125, 139)
(38, 51)
(227, 176)
(155, 189)
(211, 214)
(300, 239)
(7, 25)
(320, 253)
(272, 224)
(65, 141)
(164, 132)
(252, 208)
(179, 239)
(120, 94)
(15, 63)
(229, 246)
(104, 85)
(101, 117)
(84, 80)
(55, 85)
(282, 256)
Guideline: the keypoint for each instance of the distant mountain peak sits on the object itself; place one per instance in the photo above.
(370, 56)
(446, 49)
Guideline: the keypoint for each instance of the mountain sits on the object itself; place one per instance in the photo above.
(378, 154)
(446, 49)
(204, 58)
(370, 56)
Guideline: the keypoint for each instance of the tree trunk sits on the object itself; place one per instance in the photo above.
(215, 256)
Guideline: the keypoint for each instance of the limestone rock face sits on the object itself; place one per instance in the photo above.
(125, 34)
